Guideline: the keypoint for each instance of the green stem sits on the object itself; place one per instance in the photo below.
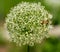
(30, 48)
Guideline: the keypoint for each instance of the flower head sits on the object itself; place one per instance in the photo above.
(28, 23)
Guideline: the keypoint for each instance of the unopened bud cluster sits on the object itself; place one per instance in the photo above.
(28, 23)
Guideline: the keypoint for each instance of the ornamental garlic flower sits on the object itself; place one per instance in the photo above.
(28, 23)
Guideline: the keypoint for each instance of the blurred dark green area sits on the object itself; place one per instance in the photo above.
(50, 45)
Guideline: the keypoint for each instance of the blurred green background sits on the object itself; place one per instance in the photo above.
(50, 45)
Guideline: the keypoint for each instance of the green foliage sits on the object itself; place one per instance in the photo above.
(51, 45)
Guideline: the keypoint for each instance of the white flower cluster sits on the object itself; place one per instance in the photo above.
(28, 23)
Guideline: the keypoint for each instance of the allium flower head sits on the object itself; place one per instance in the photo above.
(28, 23)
